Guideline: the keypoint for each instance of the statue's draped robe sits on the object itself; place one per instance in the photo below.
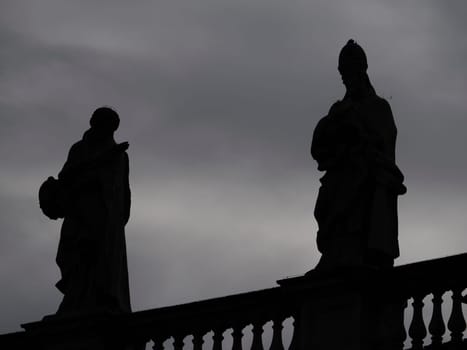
(356, 209)
(92, 250)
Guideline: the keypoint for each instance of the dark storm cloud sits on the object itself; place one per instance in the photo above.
(218, 100)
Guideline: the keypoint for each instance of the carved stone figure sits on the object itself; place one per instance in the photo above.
(354, 145)
(92, 251)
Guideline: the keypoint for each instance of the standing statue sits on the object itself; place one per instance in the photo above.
(92, 193)
(354, 144)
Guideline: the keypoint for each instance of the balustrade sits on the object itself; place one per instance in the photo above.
(218, 336)
(456, 324)
(430, 284)
(376, 298)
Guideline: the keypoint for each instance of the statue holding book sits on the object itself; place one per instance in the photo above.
(92, 194)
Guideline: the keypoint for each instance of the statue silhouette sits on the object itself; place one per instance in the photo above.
(92, 193)
(354, 144)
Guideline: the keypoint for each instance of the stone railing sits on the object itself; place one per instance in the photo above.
(434, 281)
(349, 309)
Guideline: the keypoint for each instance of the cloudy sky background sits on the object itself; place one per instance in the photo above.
(219, 100)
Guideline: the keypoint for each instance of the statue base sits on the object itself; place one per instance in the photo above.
(65, 331)
(349, 309)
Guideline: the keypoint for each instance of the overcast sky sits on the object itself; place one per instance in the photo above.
(219, 100)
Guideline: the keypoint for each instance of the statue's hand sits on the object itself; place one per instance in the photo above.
(122, 147)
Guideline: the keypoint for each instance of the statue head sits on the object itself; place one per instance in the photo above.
(104, 120)
(352, 67)
(352, 57)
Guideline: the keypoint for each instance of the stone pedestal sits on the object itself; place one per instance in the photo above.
(97, 331)
(334, 322)
(347, 309)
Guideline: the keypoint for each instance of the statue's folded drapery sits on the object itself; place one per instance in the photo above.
(92, 253)
(356, 209)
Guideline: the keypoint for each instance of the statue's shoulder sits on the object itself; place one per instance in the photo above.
(381, 104)
(77, 145)
(76, 151)
(336, 107)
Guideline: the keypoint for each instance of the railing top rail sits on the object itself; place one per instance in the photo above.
(419, 277)
(424, 276)
(249, 303)
(431, 275)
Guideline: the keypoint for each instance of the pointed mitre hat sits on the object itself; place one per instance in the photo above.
(352, 56)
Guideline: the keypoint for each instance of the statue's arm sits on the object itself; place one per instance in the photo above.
(386, 132)
(332, 137)
(127, 191)
(383, 156)
(321, 149)
(70, 163)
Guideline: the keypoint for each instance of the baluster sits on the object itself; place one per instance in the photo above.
(296, 334)
(158, 343)
(456, 323)
(417, 329)
(401, 336)
(217, 339)
(237, 335)
(198, 341)
(257, 343)
(277, 326)
(178, 342)
(436, 326)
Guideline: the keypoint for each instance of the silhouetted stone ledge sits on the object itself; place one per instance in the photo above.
(406, 278)
(364, 307)
(59, 322)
